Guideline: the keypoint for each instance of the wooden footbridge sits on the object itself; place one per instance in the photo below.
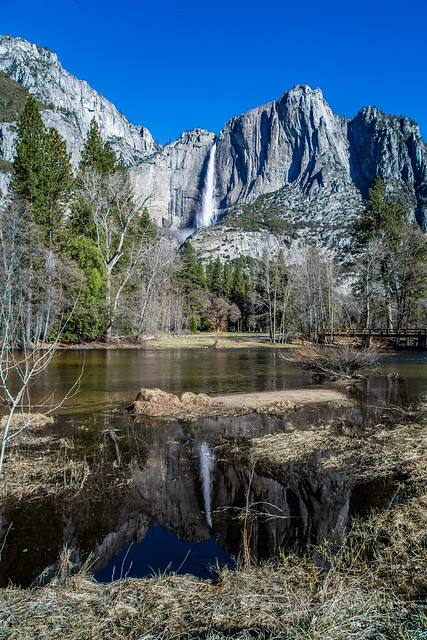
(415, 338)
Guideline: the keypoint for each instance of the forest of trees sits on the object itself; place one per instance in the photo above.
(81, 260)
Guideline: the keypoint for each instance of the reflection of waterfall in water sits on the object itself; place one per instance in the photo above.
(205, 215)
(206, 461)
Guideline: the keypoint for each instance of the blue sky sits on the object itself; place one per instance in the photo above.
(173, 66)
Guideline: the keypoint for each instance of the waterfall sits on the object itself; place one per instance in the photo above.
(205, 215)
(206, 462)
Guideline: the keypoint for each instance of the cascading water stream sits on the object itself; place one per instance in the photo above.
(206, 462)
(206, 213)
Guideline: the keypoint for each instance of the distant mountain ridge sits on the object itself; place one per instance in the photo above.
(316, 166)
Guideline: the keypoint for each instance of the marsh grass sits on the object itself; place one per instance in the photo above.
(40, 464)
(373, 587)
(292, 597)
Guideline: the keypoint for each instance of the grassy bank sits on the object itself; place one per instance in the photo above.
(364, 593)
(374, 587)
(208, 340)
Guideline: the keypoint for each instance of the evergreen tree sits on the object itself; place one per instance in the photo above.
(238, 292)
(201, 277)
(146, 224)
(192, 325)
(98, 154)
(392, 262)
(28, 166)
(380, 215)
(227, 281)
(59, 182)
(189, 276)
(215, 280)
(42, 172)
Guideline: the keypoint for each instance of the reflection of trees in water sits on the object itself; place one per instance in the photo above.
(144, 474)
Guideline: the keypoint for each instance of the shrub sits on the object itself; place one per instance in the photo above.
(332, 362)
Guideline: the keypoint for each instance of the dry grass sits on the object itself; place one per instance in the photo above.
(333, 362)
(20, 420)
(291, 598)
(361, 457)
(370, 590)
(39, 464)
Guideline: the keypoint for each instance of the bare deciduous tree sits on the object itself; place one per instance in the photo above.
(28, 312)
(115, 213)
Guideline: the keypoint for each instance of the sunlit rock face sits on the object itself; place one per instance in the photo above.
(296, 139)
(74, 102)
(171, 179)
(392, 147)
(316, 166)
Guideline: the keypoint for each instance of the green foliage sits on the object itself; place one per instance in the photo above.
(227, 281)
(215, 278)
(192, 324)
(201, 276)
(381, 215)
(97, 153)
(89, 319)
(191, 277)
(42, 172)
(265, 213)
(189, 272)
(13, 97)
(146, 225)
(205, 323)
(238, 292)
(392, 278)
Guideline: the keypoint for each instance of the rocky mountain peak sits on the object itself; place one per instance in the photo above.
(313, 166)
(74, 103)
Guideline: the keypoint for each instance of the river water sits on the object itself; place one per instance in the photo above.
(161, 496)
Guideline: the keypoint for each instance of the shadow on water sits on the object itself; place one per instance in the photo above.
(166, 497)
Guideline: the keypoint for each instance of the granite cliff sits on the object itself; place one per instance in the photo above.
(292, 167)
(73, 103)
(288, 169)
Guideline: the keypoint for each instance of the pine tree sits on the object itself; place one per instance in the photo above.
(96, 153)
(201, 276)
(42, 172)
(238, 292)
(192, 325)
(215, 284)
(392, 269)
(189, 276)
(227, 281)
(146, 224)
(28, 166)
(380, 216)
(59, 182)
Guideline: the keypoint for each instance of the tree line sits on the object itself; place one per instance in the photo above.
(82, 259)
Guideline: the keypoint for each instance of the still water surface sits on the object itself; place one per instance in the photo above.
(180, 510)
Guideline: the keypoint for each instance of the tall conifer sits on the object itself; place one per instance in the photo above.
(42, 172)
(238, 293)
(227, 281)
(96, 153)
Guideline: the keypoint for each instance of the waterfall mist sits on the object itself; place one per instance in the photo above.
(205, 215)
(206, 464)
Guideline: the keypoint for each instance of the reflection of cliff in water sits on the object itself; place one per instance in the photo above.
(145, 475)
